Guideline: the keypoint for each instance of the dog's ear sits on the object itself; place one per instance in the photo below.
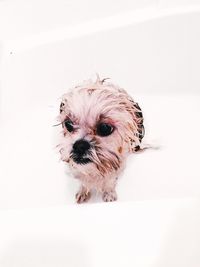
(137, 121)
(62, 114)
(62, 106)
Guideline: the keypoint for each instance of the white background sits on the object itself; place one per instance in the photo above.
(151, 48)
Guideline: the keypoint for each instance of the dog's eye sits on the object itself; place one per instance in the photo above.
(104, 129)
(69, 125)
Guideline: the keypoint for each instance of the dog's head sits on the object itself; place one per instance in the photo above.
(101, 124)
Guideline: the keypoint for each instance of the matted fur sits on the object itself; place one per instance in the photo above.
(86, 105)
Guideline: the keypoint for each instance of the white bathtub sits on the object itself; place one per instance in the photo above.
(150, 49)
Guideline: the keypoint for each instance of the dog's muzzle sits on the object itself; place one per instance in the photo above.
(80, 151)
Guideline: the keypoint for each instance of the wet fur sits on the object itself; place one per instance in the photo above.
(87, 105)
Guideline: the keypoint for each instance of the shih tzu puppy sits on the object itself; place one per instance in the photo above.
(101, 125)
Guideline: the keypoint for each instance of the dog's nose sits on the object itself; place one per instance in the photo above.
(80, 147)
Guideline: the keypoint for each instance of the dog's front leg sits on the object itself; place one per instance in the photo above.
(109, 193)
(83, 195)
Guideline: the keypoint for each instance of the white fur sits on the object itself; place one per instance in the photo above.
(85, 105)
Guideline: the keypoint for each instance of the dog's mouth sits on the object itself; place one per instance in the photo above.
(81, 160)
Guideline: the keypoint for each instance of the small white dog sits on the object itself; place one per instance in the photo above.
(101, 126)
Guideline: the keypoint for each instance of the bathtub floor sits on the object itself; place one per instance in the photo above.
(36, 178)
(141, 234)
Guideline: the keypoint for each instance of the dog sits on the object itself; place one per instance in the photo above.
(101, 126)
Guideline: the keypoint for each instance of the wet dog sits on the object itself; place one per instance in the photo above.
(101, 126)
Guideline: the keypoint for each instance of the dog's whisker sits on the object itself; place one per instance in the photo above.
(57, 124)
(60, 123)
(102, 81)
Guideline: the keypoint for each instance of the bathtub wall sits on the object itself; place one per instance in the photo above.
(159, 55)
(19, 18)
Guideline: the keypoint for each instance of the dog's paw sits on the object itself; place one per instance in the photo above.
(82, 196)
(109, 196)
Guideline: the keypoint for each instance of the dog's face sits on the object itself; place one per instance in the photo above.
(100, 127)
